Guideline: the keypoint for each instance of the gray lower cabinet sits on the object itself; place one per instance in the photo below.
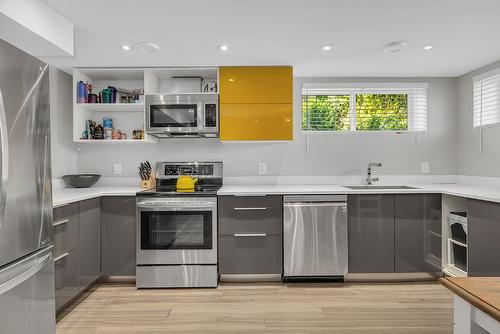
(394, 233)
(371, 233)
(118, 233)
(65, 235)
(66, 253)
(66, 277)
(417, 233)
(483, 238)
(250, 235)
(89, 214)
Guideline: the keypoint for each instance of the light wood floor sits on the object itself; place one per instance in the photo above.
(267, 308)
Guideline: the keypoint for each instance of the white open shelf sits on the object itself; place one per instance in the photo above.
(453, 271)
(114, 141)
(161, 80)
(111, 107)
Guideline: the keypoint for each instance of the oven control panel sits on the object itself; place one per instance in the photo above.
(175, 170)
(202, 169)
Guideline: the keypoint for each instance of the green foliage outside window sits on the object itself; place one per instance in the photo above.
(374, 112)
(381, 112)
(325, 112)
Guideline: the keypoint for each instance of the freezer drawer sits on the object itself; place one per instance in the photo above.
(66, 277)
(315, 236)
(27, 295)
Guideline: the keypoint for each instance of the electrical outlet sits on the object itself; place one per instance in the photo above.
(262, 168)
(117, 169)
(425, 168)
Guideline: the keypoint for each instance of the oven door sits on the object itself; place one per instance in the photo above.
(174, 117)
(177, 232)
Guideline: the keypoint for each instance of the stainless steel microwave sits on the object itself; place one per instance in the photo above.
(182, 115)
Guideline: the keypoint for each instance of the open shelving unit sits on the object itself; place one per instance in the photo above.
(131, 116)
(126, 116)
(451, 204)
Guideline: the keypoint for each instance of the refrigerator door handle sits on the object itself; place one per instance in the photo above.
(35, 265)
(4, 165)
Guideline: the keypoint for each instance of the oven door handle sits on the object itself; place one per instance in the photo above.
(146, 207)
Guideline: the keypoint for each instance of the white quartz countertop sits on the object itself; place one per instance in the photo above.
(64, 196)
(462, 190)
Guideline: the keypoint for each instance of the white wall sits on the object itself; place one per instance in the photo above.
(61, 119)
(470, 160)
(327, 154)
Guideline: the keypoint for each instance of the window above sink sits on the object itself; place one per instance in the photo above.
(365, 107)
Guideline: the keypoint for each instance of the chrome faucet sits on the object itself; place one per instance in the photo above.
(369, 178)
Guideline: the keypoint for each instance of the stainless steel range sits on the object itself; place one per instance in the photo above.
(177, 231)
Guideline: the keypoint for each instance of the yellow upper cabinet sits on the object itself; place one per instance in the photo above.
(256, 121)
(256, 84)
(256, 103)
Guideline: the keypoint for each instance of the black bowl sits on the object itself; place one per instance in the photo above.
(81, 180)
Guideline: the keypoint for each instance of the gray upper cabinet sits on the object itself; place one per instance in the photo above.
(371, 233)
(89, 241)
(483, 239)
(250, 235)
(417, 233)
(118, 236)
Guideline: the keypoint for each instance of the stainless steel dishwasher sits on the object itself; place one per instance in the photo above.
(315, 237)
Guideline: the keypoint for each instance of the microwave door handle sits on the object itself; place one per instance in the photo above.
(201, 119)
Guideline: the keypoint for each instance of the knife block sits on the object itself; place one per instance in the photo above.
(149, 183)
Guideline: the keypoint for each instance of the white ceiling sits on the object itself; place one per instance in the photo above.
(273, 32)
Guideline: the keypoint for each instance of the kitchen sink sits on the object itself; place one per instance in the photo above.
(379, 187)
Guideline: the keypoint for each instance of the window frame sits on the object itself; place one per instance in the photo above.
(481, 77)
(354, 89)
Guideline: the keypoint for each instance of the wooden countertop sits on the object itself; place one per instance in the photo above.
(482, 292)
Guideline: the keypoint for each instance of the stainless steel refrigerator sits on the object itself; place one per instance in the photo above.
(26, 262)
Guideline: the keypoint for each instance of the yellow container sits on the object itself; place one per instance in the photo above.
(186, 183)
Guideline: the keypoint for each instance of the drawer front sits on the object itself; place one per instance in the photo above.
(250, 254)
(66, 211)
(65, 235)
(250, 215)
(66, 277)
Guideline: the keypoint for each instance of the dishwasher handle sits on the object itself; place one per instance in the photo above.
(314, 198)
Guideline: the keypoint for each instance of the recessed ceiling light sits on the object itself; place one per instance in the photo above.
(148, 47)
(428, 47)
(395, 46)
(326, 47)
(126, 47)
(223, 47)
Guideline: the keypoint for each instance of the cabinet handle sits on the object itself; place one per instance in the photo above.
(60, 257)
(250, 235)
(249, 209)
(61, 222)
